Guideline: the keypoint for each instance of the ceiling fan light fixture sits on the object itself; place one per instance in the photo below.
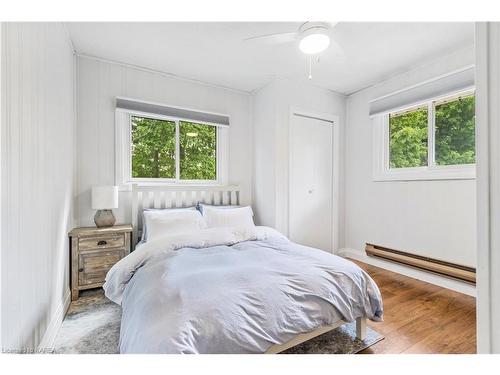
(314, 43)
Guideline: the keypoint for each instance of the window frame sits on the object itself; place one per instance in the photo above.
(123, 155)
(381, 147)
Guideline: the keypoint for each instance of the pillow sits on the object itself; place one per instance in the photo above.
(167, 222)
(200, 206)
(144, 234)
(237, 217)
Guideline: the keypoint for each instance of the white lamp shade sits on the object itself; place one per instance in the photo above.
(104, 197)
(314, 43)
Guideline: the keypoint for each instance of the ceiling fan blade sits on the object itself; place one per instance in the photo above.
(274, 38)
(332, 25)
(337, 48)
(335, 44)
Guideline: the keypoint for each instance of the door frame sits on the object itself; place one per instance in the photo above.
(335, 120)
(487, 36)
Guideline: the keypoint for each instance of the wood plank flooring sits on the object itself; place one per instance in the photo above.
(422, 318)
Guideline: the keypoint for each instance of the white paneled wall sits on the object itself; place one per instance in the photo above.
(432, 218)
(37, 148)
(100, 82)
(271, 112)
(264, 128)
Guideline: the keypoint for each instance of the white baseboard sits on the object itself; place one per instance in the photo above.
(47, 342)
(415, 273)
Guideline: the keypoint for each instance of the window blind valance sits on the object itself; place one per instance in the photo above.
(158, 109)
(453, 82)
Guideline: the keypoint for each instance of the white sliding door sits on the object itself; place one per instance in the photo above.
(311, 178)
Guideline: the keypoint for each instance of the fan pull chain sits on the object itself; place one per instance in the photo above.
(310, 65)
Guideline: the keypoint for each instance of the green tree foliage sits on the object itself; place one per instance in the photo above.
(408, 139)
(198, 151)
(455, 132)
(454, 135)
(153, 149)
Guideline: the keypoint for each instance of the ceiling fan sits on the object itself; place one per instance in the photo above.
(313, 38)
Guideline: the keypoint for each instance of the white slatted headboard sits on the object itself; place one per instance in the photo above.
(176, 197)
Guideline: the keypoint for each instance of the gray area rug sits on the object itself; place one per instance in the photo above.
(92, 326)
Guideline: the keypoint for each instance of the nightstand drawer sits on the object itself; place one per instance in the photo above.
(93, 252)
(93, 266)
(91, 278)
(101, 242)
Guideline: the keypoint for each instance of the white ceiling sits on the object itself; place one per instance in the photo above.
(214, 52)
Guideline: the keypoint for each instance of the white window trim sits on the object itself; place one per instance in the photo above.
(380, 134)
(123, 155)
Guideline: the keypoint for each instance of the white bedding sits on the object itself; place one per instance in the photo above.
(224, 290)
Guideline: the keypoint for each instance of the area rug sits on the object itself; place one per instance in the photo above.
(92, 326)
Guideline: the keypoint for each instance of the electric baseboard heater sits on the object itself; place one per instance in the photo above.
(456, 271)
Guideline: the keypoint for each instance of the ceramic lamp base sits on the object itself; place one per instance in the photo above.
(104, 218)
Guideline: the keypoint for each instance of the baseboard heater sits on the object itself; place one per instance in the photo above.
(456, 271)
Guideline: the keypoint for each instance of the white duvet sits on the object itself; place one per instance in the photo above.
(224, 290)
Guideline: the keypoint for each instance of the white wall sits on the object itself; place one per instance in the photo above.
(264, 136)
(271, 112)
(37, 136)
(100, 82)
(431, 218)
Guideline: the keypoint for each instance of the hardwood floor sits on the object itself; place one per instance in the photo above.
(422, 318)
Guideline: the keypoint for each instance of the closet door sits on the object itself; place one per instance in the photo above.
(311, 171)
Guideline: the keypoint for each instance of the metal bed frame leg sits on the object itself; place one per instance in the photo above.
(361, 328)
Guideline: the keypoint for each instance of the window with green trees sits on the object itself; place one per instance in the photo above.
(408, 138)
(158, 153)
(453, 137)
(198, 151)
(455, 131)
(153, 148)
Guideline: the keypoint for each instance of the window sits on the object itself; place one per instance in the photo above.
(432, 140)
(160, 149)
(455, 131)
(198, 151)
(408, 138)
(153, 148)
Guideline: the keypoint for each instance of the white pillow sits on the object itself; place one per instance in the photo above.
(167, 222)
(235, 217)
(144, 236)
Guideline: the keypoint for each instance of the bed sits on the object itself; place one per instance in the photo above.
(230, 290)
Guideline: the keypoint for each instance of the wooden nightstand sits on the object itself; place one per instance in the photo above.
(93, 251)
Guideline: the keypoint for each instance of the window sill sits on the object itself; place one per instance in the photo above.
(466, 172)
